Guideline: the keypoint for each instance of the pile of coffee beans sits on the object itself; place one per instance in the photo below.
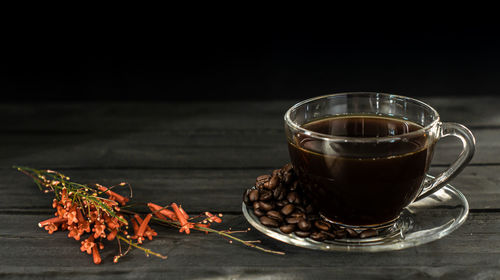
(277, 199)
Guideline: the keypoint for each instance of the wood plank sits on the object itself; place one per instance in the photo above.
(470, 252)
(140, 116)
(473, 112)
(153, 116)
(187, 149)
(202, 190)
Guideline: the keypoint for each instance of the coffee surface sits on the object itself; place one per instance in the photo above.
(361, 183)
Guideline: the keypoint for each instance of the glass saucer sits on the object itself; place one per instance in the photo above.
(426, 220)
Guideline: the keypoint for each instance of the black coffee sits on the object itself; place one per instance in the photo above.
(356, 183)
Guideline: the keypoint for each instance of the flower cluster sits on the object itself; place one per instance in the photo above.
(98, 222)
(94, 214)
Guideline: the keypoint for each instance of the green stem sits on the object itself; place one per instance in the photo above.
(147, 251)
(222, 233)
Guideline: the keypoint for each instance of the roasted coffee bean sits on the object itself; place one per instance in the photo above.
(351, 232)
(304, 225)
(293, 220)
(333, 227)
(256, 205)
(276, 172)
(309, 209)
(280, 203)
(287, 228)
(265, 195)
(273, 214)
(287, 168)
(258, 212)
(291, 197)
(285, 202)
(340, 233)
(318, 236)
(273, 182)
(299, 215)
(313, 217)
(294, 186)
(287, 209)
(300, 208)
(321, 225)
(265, 185)
(263, 178)
(287, 178)
(266, 206)
(302, 234)
(268, 222)
(279, 192)
(283, 193)
(253, 195)
(245, 197)
(329, 235)
(298, 200)
(368, 233)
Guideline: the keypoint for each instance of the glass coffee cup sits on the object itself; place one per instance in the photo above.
(363, 157)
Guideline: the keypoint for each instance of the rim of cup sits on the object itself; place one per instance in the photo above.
(328, 137)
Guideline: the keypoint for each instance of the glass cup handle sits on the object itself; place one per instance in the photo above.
(468, 148)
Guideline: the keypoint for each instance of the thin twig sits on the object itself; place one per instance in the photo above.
(222, 233)
(147, 251)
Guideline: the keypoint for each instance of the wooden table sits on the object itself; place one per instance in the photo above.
(204, 155)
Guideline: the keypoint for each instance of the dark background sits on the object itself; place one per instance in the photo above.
(218, 62)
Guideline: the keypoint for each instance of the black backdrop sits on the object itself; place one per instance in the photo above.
(232, 62)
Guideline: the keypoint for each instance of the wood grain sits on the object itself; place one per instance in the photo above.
(188, 149)
(218, 190)
(203, 155)
(112, 117)
(471, 251)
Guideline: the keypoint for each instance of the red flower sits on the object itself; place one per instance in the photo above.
(213, 218)
(71, 215)
(87, 245)
(112, 195)
(185, 225)
(112, 234)
(95, 255)
(51, 228)
(99, 230)
(161, 212)
(75, 232)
